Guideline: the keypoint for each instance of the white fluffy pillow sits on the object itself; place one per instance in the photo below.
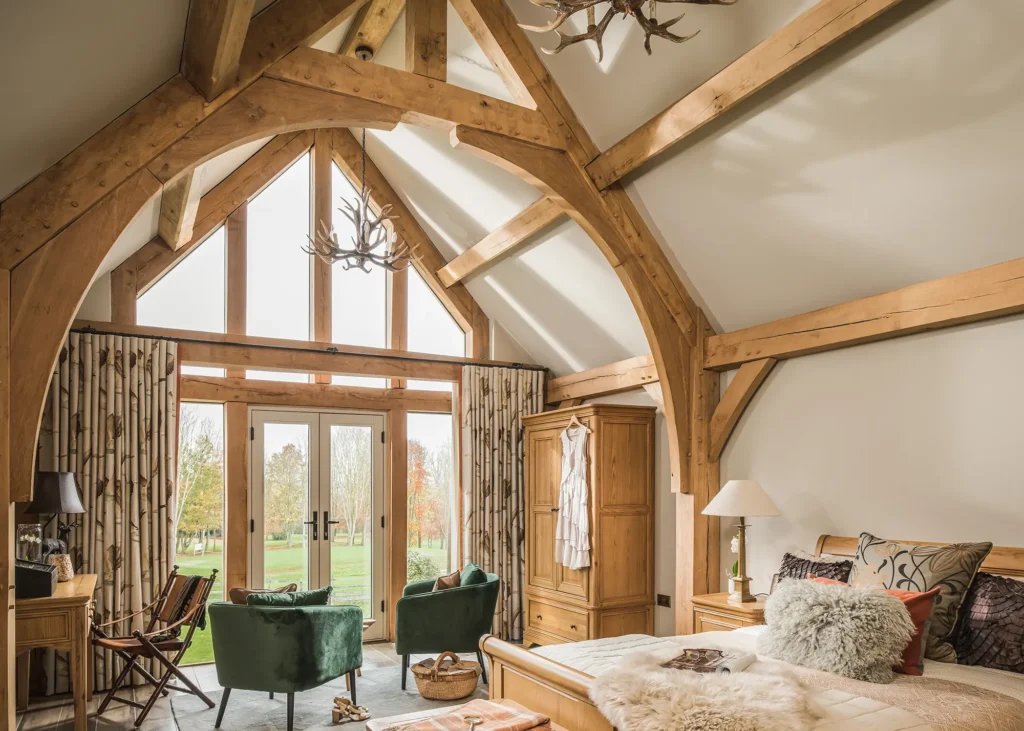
(853, 632)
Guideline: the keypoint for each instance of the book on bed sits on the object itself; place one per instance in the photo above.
(710, 660)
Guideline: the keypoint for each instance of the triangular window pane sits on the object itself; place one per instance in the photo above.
(431, 328)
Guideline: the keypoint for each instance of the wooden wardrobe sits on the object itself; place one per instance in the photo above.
(615, 595)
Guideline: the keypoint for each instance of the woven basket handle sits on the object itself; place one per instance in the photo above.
(449, 655)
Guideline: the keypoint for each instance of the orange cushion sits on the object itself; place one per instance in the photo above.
(919, 604)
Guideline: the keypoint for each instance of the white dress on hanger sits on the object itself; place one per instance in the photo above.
(572, 529)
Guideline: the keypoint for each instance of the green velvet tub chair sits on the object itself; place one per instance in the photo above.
(431, 622)
(284, 649)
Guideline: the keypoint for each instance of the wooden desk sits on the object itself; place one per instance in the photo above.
(60, 621)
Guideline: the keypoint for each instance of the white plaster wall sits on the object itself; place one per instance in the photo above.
(914, 438)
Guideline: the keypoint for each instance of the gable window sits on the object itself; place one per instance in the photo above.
(191, 296)
(431, 329)
(358, 299)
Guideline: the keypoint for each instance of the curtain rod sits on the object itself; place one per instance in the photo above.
(331, 350)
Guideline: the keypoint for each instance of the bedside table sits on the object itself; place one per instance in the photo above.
(714, 613)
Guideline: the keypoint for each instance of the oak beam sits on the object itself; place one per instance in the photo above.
(313, 395)
(398, 511)
(237, 256)
(426, 38)
(236, 499)
(698, 535)
(981, 294)
(739, 393)
(371, 28)
(322, 215)
(625, 375)
(501, 242)
(214, 37)
(416, 99)
(802, 38)
(398, 316)
(123, 296)
(448, 364)
(154, 259)
(178, 208)
(54, 199)
(427, 260)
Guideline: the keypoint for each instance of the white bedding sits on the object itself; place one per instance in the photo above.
(843, 711)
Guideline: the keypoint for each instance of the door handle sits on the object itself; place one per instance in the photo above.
(312, 523)
(327, 531)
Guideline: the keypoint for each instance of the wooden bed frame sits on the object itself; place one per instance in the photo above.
(562, 693)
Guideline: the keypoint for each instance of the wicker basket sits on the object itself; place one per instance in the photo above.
(446, 679)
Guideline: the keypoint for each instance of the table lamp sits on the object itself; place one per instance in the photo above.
(741, 499)
(56, 493)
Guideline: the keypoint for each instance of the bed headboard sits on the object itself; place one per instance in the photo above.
(1003, 560)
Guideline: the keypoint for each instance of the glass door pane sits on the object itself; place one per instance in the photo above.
(283, 547)
(352, 498)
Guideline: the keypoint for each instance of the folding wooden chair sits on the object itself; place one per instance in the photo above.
(181, 603)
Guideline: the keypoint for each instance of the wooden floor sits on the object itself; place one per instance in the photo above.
(57, 713)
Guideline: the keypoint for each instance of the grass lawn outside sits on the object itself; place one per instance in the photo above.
(350, 572)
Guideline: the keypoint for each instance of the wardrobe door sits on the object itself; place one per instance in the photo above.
(544, 471)
(576, 582)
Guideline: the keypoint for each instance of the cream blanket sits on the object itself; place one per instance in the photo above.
(947, 698)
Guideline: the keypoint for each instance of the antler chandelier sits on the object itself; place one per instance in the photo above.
(372, 232)
(595, 30)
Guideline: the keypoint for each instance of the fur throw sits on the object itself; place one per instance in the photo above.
(640, 695)
(853, 632)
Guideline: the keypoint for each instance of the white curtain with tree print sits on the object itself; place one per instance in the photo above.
(494, 400)
(111, 417)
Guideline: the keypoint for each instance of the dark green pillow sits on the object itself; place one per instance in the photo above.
(314, 598)
(472, 575)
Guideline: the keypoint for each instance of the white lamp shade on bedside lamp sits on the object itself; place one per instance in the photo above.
(742, 498)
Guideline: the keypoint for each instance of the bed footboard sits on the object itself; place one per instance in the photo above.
(542, 685)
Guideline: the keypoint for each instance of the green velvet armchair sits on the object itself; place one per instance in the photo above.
(284, 649)
(431, 622)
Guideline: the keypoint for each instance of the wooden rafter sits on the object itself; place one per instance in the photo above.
(237, 276)
(625, 375)
(214, 37)
(322, 213)
(734, 402)
(428, 260)
(426, 38)
(312, 395)
(154, 259)
(416, 99)
(371, 28)
(816, 29)
(50, 202)
(179, 207)
(981, 294)
(501, 242)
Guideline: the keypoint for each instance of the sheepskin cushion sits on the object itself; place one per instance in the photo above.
(856, 633)
(640, 695)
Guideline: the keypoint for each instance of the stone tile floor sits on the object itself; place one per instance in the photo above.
(57, 713)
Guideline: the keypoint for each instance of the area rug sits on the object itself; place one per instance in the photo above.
(380, 690)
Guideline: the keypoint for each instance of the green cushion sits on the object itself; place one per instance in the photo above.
(314, 598)
(472, 575)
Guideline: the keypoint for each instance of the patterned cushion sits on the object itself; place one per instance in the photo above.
(991, 631)
(911, 567)
(797, 566)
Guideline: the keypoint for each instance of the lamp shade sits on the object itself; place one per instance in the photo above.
(742, 499)
(56, 492)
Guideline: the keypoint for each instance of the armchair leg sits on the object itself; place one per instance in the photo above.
(352, 684)
(483, 668)
(405, 669)
(223, 707)
(291, 711)
(271, 695)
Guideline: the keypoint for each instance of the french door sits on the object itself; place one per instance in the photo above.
(317, 497)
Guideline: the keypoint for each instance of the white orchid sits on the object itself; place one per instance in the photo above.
(734, 545)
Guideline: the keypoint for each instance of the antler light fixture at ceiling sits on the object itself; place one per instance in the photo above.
(595, 30)
(371, 233)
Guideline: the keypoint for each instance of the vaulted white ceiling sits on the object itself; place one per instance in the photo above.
(890, 159)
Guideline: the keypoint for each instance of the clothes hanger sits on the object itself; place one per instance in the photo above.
(575, 420)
